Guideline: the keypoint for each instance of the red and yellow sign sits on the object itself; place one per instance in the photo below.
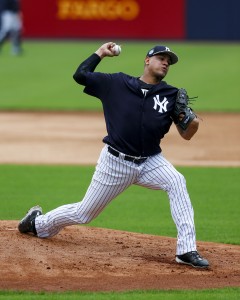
(104, 19)
(98, 10)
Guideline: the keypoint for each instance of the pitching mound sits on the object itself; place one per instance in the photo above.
(95, 259)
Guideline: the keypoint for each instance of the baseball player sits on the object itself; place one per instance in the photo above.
(138, 112)
(11, 24)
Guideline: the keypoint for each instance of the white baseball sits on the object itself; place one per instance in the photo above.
(116, 50)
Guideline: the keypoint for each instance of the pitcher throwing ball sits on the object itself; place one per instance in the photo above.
(138, 112)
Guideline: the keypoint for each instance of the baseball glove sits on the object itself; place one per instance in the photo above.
(183, 114)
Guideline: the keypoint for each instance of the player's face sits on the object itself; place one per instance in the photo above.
(158, 65)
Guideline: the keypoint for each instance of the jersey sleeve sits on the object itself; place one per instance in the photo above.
(88, 65)
(98, 84)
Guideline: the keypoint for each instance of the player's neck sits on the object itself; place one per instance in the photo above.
(150, 79)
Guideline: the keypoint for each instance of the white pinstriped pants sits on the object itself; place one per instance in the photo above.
(112, 176)
(11, 23)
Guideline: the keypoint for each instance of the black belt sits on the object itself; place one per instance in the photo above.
(136, 160)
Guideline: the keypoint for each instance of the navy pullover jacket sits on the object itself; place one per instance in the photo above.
(135, 122)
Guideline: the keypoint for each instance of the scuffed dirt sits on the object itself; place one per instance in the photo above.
(95, 259)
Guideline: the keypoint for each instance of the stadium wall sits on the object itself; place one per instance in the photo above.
(134, 19)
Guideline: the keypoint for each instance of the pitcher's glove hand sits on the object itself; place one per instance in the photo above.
(183, 114)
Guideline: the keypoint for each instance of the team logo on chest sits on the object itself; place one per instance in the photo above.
(160, 105)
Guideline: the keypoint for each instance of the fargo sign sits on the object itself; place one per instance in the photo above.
(98, 10)
(144, 19)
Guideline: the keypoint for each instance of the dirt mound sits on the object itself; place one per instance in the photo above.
(94, 259)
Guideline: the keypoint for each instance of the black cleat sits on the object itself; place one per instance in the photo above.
(27, 224)
(193, 259)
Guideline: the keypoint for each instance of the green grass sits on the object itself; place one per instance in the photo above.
(219, 294)
(214, 193)
(216, 202)
(41, 79)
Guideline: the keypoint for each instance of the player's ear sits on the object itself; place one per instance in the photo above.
(146, 60)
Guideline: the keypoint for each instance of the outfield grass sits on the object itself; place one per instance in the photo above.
(41, 79)
(219, 294)
(216, 202)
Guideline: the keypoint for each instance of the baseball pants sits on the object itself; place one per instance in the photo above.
(11, 26)
(112, 176)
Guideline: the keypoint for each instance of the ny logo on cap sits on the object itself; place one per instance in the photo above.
(167, 49)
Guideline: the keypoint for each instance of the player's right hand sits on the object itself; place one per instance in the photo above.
(106, 50)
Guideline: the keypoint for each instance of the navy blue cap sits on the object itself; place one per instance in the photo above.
(163, 49)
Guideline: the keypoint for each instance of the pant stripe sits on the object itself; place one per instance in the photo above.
(112, 176)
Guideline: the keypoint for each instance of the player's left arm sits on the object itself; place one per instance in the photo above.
(185, 119)
(189, 132)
